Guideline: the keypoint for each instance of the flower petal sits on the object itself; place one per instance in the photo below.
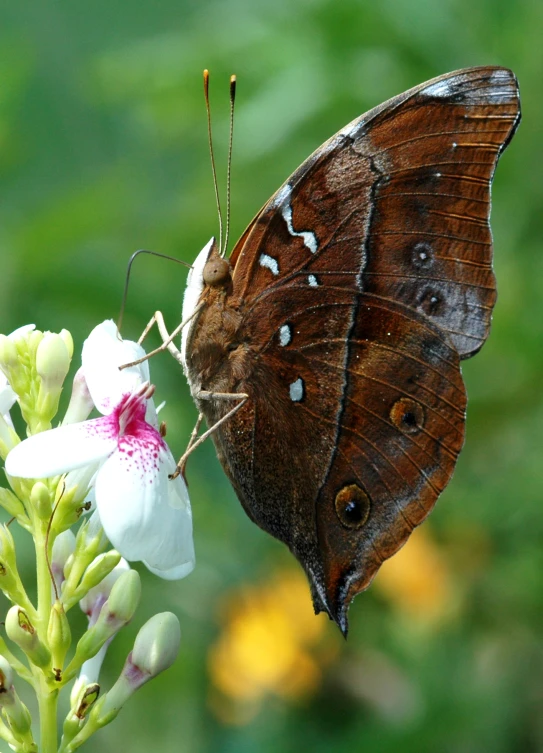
(145, 514)
(20, 332)
(7, 395)
(64, 449)
(103, 352)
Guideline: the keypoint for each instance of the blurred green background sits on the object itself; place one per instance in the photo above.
(103, 150)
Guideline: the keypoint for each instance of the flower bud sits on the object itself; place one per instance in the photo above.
(6, 675)
(62, 549)
(15, 711)
(53, 361)
(102, 566)
(40, 498)
(12, 504)
(68, 341)
(59, 636)
(81, 402)
(124, 598)
(95, 598)
(88, 699)
(22, 632)
(116, 612)
(10, 581)
(155, 649)
(52, 364)
(157, 644)
(89, 542)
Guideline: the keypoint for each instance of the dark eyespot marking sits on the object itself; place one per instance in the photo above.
(422, 256)
(432, 302)
(407, 415)
(352, 506)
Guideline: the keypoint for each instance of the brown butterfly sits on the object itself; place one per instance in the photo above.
(331, 339)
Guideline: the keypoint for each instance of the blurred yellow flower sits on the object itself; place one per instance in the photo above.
(418, 580)
(271, 643)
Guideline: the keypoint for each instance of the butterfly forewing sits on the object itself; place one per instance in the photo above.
(398, 204)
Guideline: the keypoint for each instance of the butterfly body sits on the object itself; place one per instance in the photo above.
(342, 317)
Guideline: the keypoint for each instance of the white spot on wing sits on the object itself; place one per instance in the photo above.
(270, 263)
(285, 335)
(312, 280)
(441, 89)
(296, 390)
(283, 200)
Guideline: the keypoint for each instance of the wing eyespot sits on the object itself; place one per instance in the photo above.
(422, 255)
(432, 303)
(352, 506)
(407, 416)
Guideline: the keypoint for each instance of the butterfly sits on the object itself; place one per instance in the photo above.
(325, 352)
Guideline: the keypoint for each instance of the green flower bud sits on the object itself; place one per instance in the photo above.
(89, 542)
(155, 650)
(124, 598)
(22, 632)
(10, 581)
(88, 699)
(6, 675)
(59, 637)
(15, 711)
(40, 497)
(12, 504)
(157, 644)
(97, 571)
(116, 612)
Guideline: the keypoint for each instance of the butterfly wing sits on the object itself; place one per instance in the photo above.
(345, 442)
(397, 204)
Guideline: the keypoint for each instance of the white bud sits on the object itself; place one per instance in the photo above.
(157, 644)
(62, 549)
(80, 401)
(53, 360)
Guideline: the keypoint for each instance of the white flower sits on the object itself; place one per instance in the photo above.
(7, 398)
(145, 514)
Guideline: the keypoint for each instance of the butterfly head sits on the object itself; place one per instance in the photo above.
(217, 271)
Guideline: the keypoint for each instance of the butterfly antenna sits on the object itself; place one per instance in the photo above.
(129, 270)
(230, 142)
(213, 168)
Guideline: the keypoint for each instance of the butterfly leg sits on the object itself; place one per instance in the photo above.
(167, 338)
(193, 442)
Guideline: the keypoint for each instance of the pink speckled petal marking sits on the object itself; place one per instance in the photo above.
(103, 352)
(145, 514)
(64, 449)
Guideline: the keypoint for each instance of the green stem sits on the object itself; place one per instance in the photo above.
(47, 700)
(47, 697)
